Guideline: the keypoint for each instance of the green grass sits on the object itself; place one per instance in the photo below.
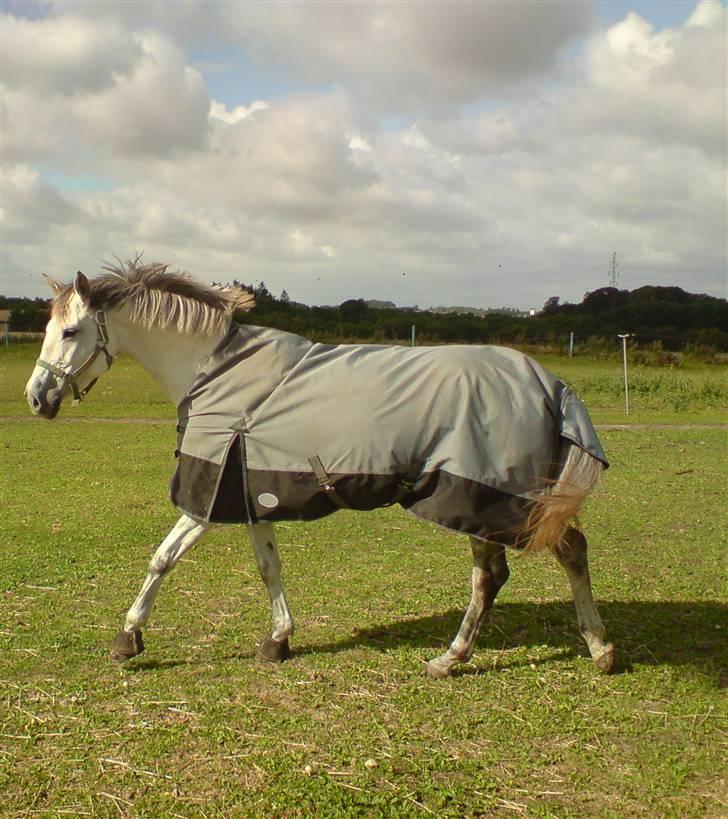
(197, 727)
(125, 392)
(695, 393)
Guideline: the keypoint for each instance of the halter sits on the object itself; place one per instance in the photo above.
(71, 377)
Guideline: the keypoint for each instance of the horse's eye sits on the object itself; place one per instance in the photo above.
(69, 333)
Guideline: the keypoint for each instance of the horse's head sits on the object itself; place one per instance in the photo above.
(75, 349)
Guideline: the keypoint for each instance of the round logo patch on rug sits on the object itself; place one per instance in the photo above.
(268, 500)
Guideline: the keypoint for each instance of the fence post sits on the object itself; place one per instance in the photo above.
(412, 343)
(571, 344)
(624, 337)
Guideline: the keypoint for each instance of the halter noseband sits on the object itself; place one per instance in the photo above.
(71, 377)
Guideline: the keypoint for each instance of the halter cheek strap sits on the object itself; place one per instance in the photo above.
(71, 377)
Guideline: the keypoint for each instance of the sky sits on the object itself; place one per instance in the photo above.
(481, 154)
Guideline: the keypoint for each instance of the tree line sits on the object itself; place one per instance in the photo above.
(669, 315)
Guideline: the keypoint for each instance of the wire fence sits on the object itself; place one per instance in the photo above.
(667, 348)
(21, 337)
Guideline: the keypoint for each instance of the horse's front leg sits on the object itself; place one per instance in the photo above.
(186, 532)
(275, 647)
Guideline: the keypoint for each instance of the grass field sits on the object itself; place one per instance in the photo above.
(348, 727)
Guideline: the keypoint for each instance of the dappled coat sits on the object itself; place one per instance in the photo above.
(276, 427)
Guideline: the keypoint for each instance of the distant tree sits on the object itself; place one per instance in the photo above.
(353, 310)
(668, 314)
(264, 299)
(551, 305)
(27, 315)
(604, 299)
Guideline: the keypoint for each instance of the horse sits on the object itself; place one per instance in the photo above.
(479, 440)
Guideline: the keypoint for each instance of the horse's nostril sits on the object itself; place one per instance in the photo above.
(35, 402)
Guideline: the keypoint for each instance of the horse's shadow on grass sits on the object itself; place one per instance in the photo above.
(652, 633)
(153, 664)
(644, 632)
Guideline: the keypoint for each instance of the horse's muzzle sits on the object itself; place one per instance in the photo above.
(45, 404)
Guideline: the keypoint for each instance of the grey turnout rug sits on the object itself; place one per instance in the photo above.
(276, 427)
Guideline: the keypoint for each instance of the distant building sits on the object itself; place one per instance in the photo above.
(532, 312)
(481, 312)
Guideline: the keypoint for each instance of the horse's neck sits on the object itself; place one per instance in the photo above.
(172, 359)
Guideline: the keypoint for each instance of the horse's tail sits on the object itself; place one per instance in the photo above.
(555, 509)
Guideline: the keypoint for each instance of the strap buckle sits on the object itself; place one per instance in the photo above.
(409, 479)
(324, 481)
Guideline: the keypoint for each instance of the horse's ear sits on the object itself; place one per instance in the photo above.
(54, 284)
(82, 287)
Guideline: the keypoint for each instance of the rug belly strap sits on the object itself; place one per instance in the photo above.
(324, 481)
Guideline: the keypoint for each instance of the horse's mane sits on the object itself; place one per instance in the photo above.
(159, 298)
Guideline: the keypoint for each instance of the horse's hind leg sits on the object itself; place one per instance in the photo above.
(571, 554)
(186, 532)
(490, 572)
(275, 647)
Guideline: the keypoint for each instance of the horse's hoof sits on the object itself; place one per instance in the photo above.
(435, 670)
(605, 661)
(274, 651)
(126, 644)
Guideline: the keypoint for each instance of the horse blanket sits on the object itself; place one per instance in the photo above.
(276, 427)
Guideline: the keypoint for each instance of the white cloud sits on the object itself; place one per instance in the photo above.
(357, 143)
(708, 14)
(664, 85)
(518, 198)
(160, 105)
(218, 110)
(395, 56)
(64, 55)
(30, 206)
(410, 55)
(72, 85)
(289, 161)
(32, 128)
(191, 21)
